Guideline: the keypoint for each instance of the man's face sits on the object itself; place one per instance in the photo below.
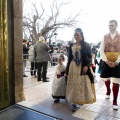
(112, 27)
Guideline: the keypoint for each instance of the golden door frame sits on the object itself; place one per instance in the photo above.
(4, 82)
(11, 64)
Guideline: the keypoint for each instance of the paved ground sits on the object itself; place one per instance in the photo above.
(39, 93)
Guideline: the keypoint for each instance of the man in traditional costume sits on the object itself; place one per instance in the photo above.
(110, 54)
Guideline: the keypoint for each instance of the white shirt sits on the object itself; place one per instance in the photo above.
(102, 47)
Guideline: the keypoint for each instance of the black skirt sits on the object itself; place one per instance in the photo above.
(108, 72)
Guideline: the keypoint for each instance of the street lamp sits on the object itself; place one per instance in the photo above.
(55, 34)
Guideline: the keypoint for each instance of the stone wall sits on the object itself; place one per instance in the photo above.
(18, 49)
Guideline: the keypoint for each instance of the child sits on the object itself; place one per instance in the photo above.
(59, 83)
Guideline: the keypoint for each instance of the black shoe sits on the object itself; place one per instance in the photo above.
(56, 101)
(35, 76)
(39, 80)
(73, 107)
(25, 76)
(47, 78)
(45, 81)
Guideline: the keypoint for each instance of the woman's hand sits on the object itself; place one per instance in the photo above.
(84, 70)
(65, 74)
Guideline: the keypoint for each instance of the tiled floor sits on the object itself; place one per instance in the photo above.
(39, 94)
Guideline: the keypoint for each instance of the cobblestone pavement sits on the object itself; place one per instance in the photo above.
(39, 93)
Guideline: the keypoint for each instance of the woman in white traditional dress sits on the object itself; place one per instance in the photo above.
(59, 82)
(80, 82)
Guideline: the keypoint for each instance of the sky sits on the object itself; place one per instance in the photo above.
(93, 20)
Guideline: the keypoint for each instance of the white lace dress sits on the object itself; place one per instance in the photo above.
(59, 83)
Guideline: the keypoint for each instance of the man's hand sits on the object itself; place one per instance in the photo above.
(111, 64)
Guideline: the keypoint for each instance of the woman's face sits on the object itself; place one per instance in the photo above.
(77, 36)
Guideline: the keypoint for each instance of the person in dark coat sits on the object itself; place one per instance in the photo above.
(79, 76)
(94, 50)
(94, 62)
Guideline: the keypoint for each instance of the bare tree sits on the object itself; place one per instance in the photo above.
(38, 24)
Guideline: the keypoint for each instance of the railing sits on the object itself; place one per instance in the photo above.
(53, 61)
(28, 63)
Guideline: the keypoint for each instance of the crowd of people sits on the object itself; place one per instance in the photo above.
(39, 54)
(75, 80)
